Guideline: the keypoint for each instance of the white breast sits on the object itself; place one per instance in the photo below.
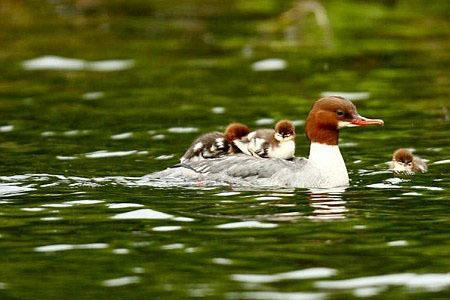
(329, 161)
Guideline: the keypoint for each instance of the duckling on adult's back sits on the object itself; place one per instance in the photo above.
(272, 143)
(215, 144)
(324, 168)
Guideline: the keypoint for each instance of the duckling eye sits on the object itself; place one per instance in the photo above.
(340, 113)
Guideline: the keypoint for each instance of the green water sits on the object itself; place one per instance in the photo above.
(190, 57)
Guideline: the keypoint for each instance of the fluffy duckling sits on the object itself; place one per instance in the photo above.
(216, 144)
(403, 161)
(270, 143)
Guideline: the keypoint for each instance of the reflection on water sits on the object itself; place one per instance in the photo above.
(327, 204)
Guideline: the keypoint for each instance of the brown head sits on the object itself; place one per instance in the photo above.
(328, 115)
(284, 130)
(236, 131)
(403, 155)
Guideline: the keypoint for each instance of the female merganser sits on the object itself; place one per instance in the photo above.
(403, 161)
(215, 144)
(272, 143)
(325, 167)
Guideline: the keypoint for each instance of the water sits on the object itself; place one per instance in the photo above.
(78, 221)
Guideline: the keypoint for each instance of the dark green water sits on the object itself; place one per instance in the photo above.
(62, 235)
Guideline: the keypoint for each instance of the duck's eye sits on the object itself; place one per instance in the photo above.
(340, 113)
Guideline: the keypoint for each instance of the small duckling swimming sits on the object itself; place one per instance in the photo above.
(216, 144)
(403, 161)
(270, 143)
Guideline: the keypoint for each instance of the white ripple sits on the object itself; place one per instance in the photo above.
(270, 64)
(226, 194)
(268, 198)
(441, 162)
(32, 209)
(166, 228)
(246, 224)
(123, 205)
(104, 153)
(93, 95)
(110, 65)
(52, 62)
(429, 188)
(278, 296)
(121, 281)
(164, 157)
(182, 129)
(65, 247)
(158, 137)
(122, 136)
(367, 291)
(121, 251)
(8, 189)
(61, 157)
(222, 261)
(183, 219)
(144, 213)
(264, 121)
(57, 205)
(398, 243)
(430, 282)
(173, 246)
(310, 273)
(6, 128)
(412, 194)
(218, 110)
(83, 202)
(383, 186)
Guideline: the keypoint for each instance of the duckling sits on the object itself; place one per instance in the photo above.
(270, 143)
(216, 144)
(403, 161)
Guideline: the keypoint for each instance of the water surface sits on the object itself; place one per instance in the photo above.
(120, 92)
